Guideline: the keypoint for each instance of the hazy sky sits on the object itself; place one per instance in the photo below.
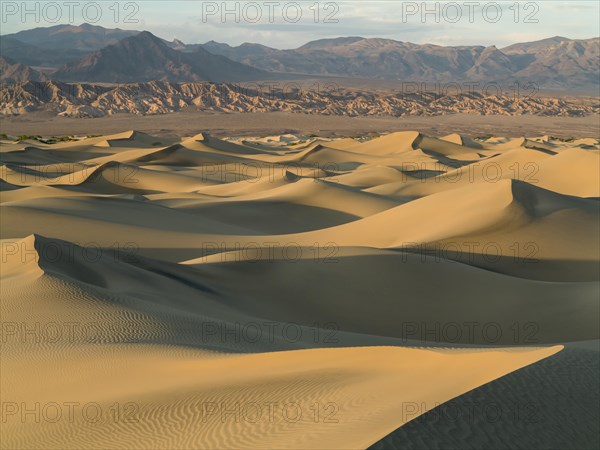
(284, 24)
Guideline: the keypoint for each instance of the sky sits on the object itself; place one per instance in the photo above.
(289, 24)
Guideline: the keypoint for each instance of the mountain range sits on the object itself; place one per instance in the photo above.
(88, 53)
(60, 44)
(554, 62)
(144, 57)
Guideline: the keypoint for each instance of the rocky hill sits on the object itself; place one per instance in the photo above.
(90, 100)
(15, 72)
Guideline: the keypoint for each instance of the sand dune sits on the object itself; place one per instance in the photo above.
(272, 293)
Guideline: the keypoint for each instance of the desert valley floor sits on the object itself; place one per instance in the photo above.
(298, 292)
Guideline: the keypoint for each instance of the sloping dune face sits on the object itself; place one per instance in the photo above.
(205, 293)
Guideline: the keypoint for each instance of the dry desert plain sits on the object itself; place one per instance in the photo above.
(298, 292)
